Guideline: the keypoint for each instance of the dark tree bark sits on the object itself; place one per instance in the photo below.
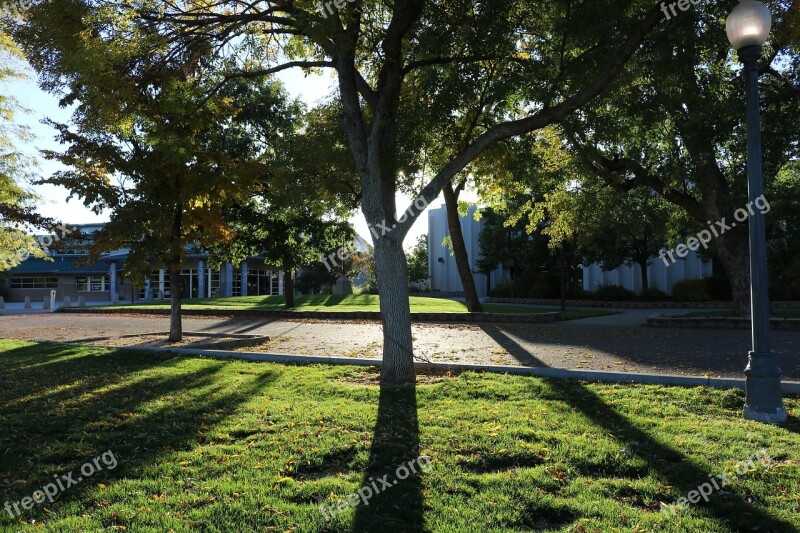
(175, 322)
(562, 267)
(643, 268)
(288, 287)
(460, 250)
(174, 267)
(733, 251)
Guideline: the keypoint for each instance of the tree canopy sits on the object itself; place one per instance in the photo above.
(17, 204)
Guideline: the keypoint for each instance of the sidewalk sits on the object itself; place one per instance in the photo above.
(621, 317)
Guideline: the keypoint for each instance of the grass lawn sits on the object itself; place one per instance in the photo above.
(781, 313)
(360, 302)
(218, 446)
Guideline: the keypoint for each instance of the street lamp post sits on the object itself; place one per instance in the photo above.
(748, 27)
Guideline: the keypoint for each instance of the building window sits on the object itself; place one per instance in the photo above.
(276, 283)
(34, 283)
(213, 286)
(263, 282)
(92, 283)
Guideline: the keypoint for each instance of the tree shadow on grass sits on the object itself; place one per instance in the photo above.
(395, 443)
(792, 423)
(151, 408)
(43, 373)
(679, 470)
(24, 357)
(675, 467)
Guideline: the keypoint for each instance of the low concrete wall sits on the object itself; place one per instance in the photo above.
(784, 324)
(437, 294)
(632, 305)
(18, 295)
(538, 318)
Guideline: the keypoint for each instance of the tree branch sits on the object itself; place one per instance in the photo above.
(541, 119)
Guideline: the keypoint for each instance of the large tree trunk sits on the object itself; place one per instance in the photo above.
(398, 349)
(175, 324)
(732, 249)
(643, 268)
(562, 274)
(288, 287)
(460, 250)
(174, 267)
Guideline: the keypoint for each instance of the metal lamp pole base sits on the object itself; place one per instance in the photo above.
(763, 390)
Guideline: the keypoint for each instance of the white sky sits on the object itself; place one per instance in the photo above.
(54, 199)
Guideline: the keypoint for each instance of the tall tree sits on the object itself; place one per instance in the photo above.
(147, 142)
(561, 57)
(674, 124)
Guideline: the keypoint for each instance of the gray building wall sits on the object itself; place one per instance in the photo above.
(659, 275)
(445, 278)
(442, 264)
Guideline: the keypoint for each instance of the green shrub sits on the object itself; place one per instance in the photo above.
(541, 285)
(652, 294)
(529, 285)
(784, 291)
(613, 293)
(504, 289)
(691, 290)
(785, 284)
(310, 282)
(718, 286)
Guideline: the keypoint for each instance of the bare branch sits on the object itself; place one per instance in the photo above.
(448, 60)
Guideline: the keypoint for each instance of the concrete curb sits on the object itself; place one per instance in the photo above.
(435, 318)
(789, 387)
(632, 304)
(778, 324)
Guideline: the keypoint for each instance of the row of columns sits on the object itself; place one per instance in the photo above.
(112, 281)
(226, 281)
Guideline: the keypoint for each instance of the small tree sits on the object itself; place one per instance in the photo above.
(297, 208)
(148, 143)
(286, 233)
(418, 261)
(610, 228)
(364, 262)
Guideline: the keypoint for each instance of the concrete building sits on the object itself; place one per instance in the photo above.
(659, 275)
(106, 279)
(445, 278)
(442, 264)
